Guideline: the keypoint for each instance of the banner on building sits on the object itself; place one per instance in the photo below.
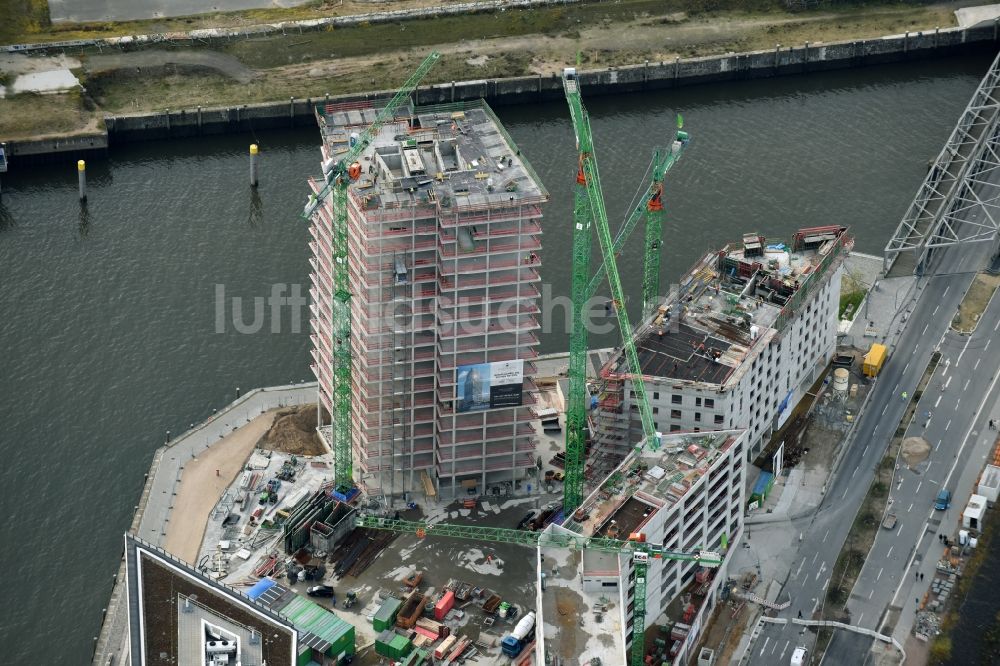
(489, 385)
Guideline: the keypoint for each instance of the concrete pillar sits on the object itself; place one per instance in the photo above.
(253, 180)
(937, 35)
(645, 73)
(777, 52)
(538, 87)
(168, 121)
(81, 170)
(677, 68)
(291, 111)
(453, 91)
(805, 61)
(199, 119)
(906, 41)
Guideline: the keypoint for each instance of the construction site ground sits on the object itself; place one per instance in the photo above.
(507, 569)
(381, 56)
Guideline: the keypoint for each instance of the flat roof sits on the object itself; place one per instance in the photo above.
(577, 625)
(451, 156)
(730, 304)
(649, 480)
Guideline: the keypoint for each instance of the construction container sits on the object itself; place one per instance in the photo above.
(385, 616)
(442, 607)
(410, 612)
(392, 645)
(874, 360)
(416, 658)
(442, 650)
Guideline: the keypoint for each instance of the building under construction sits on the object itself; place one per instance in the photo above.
(739, 344)
(443, 232)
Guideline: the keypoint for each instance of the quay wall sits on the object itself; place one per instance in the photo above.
(780, 61)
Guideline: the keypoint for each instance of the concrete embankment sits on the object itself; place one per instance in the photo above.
(156, 504)
(780, 61)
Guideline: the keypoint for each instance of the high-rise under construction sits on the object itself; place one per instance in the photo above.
(443, 235)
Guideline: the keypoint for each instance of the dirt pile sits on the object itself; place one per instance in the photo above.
(294, 431)
(915, 450)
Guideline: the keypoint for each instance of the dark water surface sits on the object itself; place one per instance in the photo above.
(108, 332)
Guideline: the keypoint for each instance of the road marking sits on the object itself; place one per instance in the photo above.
(987, 344)
(855, 471)
(845, 494)
(799, 570)
(932, 462)
(976, 366)
(859, 618)
(937, 402)
(947, 425)
(871, 594)
(782, 657)
(935, 311)
(826, 535)
(874, 430)
(947, 383)
(945, 291)
(959, 359)
(997, 326)
(881, 569)
(936, 447)
(889, 553)
(822, 567)
(815, 556)
(966, 387)
(905, 367)
(911, 507)
(918, 487)
(775, 647)
(957, 403)
(924, 332)
(767, 639)
(883, 409)
(865, 451)
(825, 583)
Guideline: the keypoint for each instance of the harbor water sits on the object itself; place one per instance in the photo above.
(117, 317)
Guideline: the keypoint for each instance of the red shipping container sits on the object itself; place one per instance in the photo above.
(442, 607)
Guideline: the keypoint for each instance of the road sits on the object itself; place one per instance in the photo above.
(826, 531)
(960, 400)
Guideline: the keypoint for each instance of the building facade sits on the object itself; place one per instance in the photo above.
(444, 229)
(686, 496)
(749, 332)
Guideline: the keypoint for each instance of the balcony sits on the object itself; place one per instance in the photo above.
(509, 308)
(467, 266)
(460, 330)
(498, 449)
(467, 281)
(518, 245)
(450, 438)
(484, 465)
(525, 212)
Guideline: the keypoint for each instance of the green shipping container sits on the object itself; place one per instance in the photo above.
(392, 645)
(385, 616)
(416, 658)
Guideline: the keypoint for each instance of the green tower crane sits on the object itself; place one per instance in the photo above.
(589, 209)
(636, 546)
(337, 180)
(650, 206)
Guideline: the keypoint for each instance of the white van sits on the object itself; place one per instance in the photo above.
(800, 656)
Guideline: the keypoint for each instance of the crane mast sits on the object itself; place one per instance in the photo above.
(338, 176)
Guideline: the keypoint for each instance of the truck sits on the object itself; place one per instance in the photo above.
(514, 642)
(889, 522)
(874, 360)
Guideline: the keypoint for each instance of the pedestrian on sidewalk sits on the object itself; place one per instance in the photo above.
(800, 615)
(921, 578)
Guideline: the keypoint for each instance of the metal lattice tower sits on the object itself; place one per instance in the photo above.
(959, 200)
(337, 181)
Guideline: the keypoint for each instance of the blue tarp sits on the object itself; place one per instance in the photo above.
(763, 483)
(259, 588)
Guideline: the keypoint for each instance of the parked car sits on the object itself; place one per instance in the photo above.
(799, 656)
(524, 521)
(943, 500)
(320, 591)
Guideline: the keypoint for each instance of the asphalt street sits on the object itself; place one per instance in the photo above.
(952, 416)
(823, 534)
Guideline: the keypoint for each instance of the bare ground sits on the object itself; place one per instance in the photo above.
(294, 431)
(976, 299)
(475, 46)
